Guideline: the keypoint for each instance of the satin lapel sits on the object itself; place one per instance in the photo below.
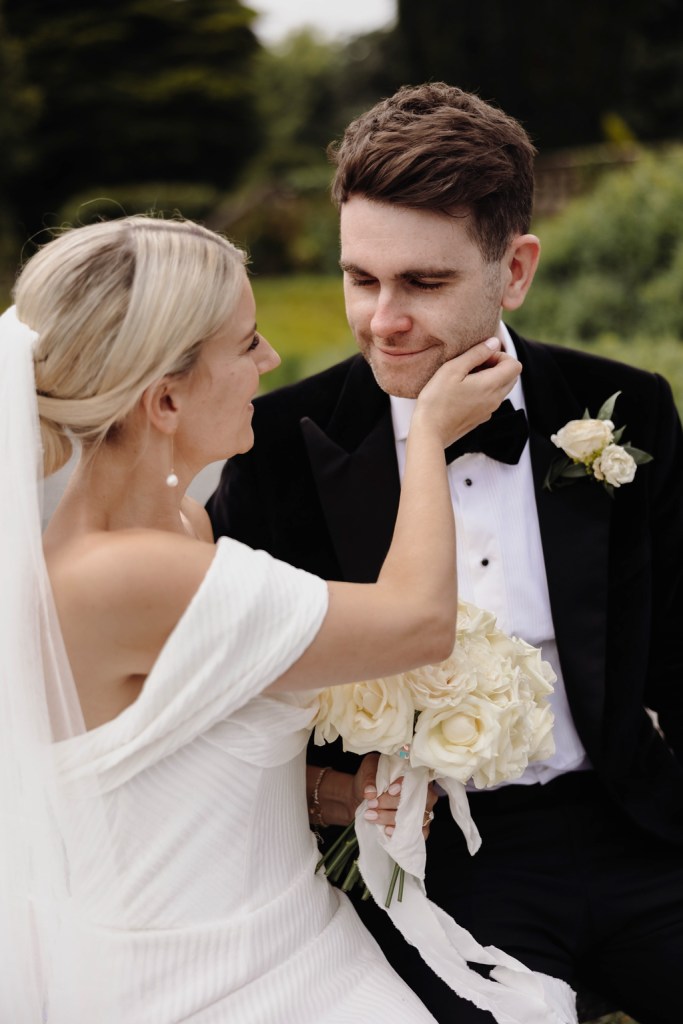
(353, 461)
(575, 526)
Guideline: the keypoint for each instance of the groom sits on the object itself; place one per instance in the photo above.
(580, 873)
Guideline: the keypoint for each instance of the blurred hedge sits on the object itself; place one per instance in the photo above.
(612, 261)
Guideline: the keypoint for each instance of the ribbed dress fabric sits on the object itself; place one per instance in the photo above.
(194, 892)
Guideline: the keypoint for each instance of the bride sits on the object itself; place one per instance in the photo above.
(158, 866)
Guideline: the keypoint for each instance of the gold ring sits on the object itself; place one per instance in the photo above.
(429, 816)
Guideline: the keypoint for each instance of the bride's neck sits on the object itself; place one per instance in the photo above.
(119, 486)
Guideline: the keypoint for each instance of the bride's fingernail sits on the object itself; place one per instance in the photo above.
(371, 815)
(373, 803)
(394, 789)
(389, 830)
(492, 343)
(369, 792)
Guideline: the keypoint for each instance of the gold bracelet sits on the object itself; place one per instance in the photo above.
(315, 811)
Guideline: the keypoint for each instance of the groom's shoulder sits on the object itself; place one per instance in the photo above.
(575, 359)
(563, 381)
(589, 371)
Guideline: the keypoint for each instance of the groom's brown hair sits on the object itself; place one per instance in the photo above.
(436, 147)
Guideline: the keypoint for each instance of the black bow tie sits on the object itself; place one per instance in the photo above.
(502, 437)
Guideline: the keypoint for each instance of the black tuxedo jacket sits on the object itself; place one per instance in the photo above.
(320, 490)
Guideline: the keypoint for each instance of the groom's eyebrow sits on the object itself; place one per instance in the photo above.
(434, 273)
(353, 268)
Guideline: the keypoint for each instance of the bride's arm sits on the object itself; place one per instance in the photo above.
(407, 618)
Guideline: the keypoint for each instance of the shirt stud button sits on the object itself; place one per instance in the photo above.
(484, 561)
(468, 482)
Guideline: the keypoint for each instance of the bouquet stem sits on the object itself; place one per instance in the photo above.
(397, 875)
(342, 856)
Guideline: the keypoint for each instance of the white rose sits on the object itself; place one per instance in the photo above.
(511, 755)
(525, 735)
(538, 673)
(443, 684)
(475, 620)
(582, 438)
(615, 466)
(448, 681)
(541, 720)
(374, 715)
(456, 741)
(492, 667)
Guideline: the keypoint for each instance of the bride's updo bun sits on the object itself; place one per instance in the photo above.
(117, 306)
(57, 445)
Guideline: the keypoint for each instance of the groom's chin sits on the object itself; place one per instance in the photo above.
(245, 445)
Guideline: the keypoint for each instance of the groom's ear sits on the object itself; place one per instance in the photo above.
(160, 403)
(519, 266)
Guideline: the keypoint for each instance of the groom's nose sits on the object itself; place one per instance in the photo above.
(389, 318)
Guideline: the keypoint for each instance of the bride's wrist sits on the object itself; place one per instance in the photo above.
(315, 811)
(331, 799)
(423, 429)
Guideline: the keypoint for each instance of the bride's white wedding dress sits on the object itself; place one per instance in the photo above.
(194, 890)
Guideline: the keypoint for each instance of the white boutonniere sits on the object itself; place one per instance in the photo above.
(591, 448)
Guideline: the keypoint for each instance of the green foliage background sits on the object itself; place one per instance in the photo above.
(612, 261)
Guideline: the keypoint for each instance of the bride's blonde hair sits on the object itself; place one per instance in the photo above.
(117, 306)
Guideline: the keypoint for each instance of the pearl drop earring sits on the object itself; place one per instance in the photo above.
(172, 478)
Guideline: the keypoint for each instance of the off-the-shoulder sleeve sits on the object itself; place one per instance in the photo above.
(250, 620)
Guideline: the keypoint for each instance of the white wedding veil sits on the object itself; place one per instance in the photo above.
(38, 704)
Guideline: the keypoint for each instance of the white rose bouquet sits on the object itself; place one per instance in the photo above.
(480, 716)
(591, 448)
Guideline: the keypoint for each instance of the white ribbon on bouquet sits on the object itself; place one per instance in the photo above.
(512, 993)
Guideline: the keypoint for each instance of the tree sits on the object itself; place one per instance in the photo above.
(307, 90)
(139, 91)
(18, 113)
(560, 69)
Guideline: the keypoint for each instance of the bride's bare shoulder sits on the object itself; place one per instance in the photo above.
(119, 595)
(129, 572)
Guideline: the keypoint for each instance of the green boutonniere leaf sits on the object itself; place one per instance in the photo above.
(639, 457)
(555, 470)
(607, 408)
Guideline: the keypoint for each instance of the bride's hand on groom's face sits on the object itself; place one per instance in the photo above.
(382, 807)
(466, 390)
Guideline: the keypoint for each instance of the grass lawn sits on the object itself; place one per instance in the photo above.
(303, 318)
